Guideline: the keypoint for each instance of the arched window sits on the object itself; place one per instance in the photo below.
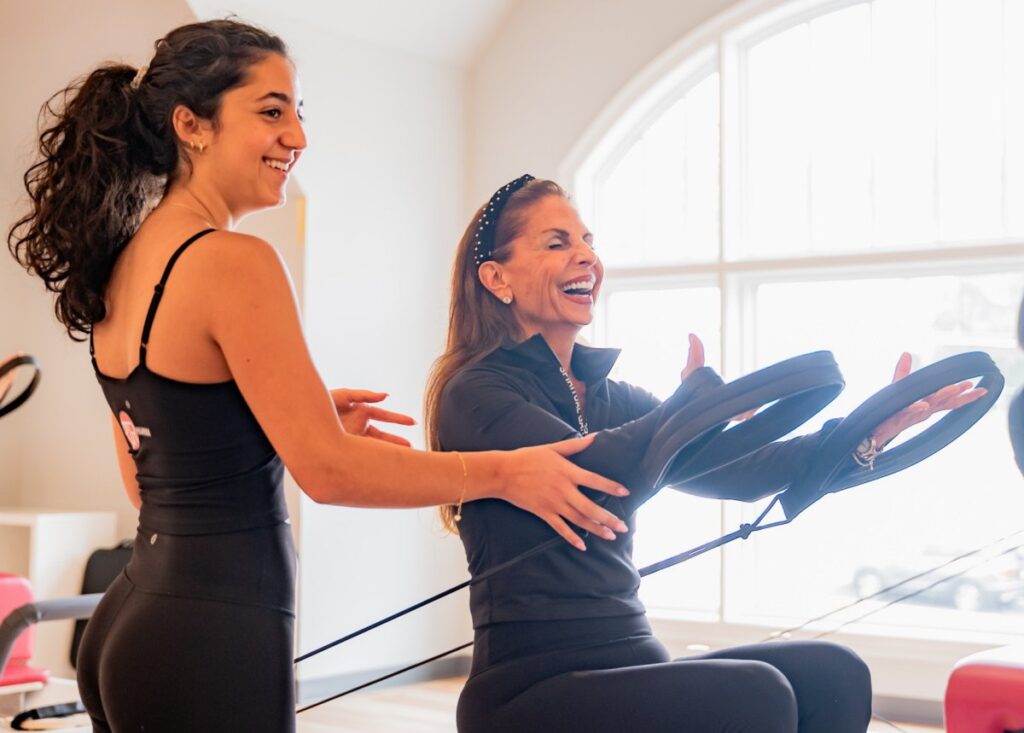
(827, 175)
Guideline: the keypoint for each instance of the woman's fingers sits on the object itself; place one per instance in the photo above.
(595, 528)
(572, 446)
(743, 416)
(903, 365)
(561, 500)
(587, 514)
(694, 358)
(968, 397)
(558, 524)
(950, 397)
(583, 477)
(358, 395)
(382, 415)
(376, 434)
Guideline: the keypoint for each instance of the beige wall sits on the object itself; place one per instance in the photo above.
(383, 180)
(57, 450)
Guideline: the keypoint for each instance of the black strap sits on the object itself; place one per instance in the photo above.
(824, 474)
(9, 366)
(693, 441)
(158, 294)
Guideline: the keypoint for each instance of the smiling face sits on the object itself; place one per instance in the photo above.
(257, 139)
(553, 274)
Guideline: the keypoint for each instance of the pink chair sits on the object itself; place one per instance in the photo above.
(985, 693)
(17, 676)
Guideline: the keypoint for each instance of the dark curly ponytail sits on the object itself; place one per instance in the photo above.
(108, 150)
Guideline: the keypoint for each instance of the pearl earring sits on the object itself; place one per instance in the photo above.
(507, 300)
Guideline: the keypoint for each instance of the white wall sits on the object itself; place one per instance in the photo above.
(383, 180)
(550, 69)
(57, 450)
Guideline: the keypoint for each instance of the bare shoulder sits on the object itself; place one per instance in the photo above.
(238, 251)
(230, 263)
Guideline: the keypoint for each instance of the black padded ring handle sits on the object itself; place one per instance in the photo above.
(825, 476)
(694, 441)
(9, 366)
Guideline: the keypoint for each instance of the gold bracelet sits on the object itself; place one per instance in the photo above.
(462, 494)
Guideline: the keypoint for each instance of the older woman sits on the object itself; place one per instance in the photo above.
(562, 642)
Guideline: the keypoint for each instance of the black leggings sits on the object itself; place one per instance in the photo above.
(195, 635)
(631, 684)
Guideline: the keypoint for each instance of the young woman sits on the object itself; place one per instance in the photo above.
(562, 642)
(197, 346)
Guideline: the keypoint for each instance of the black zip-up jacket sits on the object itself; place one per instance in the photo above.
(516, 396)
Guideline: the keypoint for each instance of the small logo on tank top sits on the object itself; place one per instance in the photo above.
(131, 433)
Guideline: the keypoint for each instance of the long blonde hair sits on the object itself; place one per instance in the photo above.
(478, 322)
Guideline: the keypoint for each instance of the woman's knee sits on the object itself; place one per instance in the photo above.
(844, 705)
(764, 700)
(844, 666)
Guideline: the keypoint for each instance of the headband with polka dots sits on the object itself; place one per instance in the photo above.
(483, 243)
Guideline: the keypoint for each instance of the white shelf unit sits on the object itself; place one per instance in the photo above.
(50, 547)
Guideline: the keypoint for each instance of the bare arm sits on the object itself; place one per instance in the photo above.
(254, 320)
(126, 465)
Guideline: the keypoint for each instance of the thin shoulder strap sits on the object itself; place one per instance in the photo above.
(158, 292)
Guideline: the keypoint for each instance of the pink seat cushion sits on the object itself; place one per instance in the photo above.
(985, 693)
(18, 673)
(15, 592)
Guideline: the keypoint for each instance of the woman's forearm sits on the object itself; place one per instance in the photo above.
(355, 471)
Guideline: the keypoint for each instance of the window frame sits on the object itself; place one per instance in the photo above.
(906, 663)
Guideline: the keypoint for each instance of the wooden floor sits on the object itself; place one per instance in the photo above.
(427, 707)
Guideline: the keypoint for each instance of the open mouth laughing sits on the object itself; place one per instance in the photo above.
(580, 289)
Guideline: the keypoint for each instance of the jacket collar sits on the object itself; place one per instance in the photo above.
(589, 363)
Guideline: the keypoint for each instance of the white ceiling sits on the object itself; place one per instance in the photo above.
(451, 31)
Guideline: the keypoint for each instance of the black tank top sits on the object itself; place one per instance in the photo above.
(204, 464)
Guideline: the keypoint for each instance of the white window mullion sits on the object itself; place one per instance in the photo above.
(936, 198)
(1004, 172)
(800, 294)
(809, 163)
(872, 72)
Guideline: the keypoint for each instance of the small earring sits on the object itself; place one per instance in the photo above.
(198, 147)
(507, 300)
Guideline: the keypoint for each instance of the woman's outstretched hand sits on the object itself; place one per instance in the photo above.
(355, 410)
(542, 481)
(695, 360)
(949, 397)
(694, 357)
